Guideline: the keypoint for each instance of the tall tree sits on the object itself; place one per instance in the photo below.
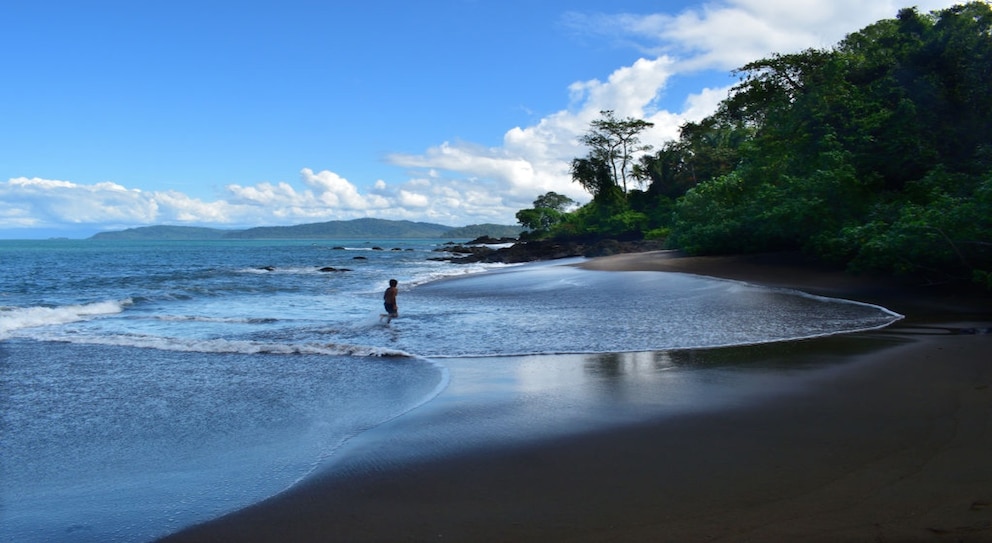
(614, 144)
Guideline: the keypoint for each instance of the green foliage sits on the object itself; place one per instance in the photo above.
(594, 176)
(876, 153)
(658, 233)
(705, 150)
(732, 214)
(473, 231)
(553, 200)
(548, 211)
(597, 219)
(938, 232)
(613, 144)
(539, 219)
(628, 222)
(709, 217)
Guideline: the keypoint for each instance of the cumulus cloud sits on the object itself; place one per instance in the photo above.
(727, 34)
(535, 159)
(44, 202)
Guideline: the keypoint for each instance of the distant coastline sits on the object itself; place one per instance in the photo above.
(356, 228)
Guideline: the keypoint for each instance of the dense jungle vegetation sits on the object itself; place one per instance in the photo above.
(875, 154)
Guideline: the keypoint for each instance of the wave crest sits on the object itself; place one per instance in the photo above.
(18, 318)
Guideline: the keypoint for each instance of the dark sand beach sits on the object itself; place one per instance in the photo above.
(887, 437)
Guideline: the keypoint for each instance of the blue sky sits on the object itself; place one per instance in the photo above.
(233, 114)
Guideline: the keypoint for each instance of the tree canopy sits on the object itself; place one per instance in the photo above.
(613, 145)
(876, 153)
(549, 210)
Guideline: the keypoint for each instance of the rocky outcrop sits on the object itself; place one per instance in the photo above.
(528, 251)
(488, 240)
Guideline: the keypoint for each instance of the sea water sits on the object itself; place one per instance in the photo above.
(146, 386)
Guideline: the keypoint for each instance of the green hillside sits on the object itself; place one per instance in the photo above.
(353, 229)
(163, 233)
(357, 228)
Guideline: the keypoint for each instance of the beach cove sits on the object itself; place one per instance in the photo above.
(883, 435)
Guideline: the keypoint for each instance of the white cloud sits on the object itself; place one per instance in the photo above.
(724, 35)
(335, 191)
(50, 201)
(535, 159)
(413, 199)
(175, 207)
(320, 196)
(496, 182)
(630, 90)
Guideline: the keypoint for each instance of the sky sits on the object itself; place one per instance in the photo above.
(232, 114)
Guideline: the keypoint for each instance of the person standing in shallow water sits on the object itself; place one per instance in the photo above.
(389, 301)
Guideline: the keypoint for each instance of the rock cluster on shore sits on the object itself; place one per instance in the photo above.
(480, 250)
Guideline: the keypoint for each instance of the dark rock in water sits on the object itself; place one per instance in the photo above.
(326, 269)
(360, 258)
(477, 252)
(268, 268)
(338, 248)
(377, 248)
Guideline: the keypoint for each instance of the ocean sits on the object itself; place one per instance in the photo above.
(149, 385)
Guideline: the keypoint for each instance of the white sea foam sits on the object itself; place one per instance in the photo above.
(226, 346)
(444, 272)
(18, 318)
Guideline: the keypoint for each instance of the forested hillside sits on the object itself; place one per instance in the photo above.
(351, 229)
(876, 154)
(356, 228)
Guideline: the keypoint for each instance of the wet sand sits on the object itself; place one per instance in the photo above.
(884, 436)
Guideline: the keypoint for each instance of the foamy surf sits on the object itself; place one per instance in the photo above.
(226, 346)
(19, 318)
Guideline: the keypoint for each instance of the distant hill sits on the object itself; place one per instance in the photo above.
(163, 233)
(353, 229)
(357, 228)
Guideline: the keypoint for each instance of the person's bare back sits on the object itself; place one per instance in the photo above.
(389, 301)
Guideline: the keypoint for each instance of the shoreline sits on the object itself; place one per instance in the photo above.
(889, 444)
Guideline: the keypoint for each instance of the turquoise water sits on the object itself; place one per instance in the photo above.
(145, 386)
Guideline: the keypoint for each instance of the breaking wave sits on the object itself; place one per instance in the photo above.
(18, 318)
